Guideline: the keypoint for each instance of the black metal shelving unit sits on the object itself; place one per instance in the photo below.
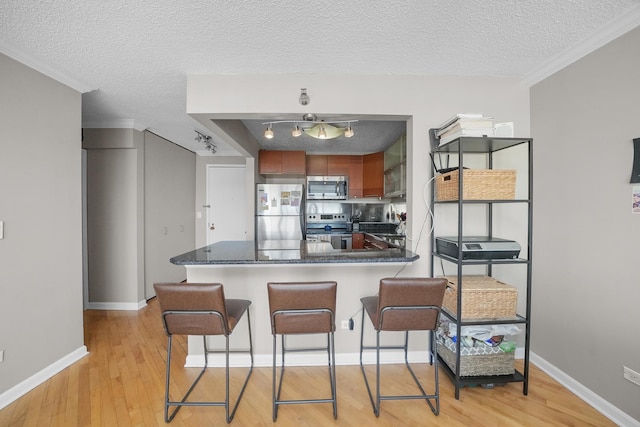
(487, 146)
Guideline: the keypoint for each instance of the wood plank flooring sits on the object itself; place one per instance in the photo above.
(121, 383)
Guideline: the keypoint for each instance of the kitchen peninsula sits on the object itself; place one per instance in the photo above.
(289, 252)
(245, 271)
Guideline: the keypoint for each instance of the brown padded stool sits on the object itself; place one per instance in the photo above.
(303, 308)
(201, 309)
(404, 304)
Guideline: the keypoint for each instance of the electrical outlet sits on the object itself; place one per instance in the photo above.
(345, 324)
(631, 375)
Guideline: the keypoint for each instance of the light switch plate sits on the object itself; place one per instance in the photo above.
(1, 229)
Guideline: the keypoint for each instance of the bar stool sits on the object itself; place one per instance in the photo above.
(303, 308)
(201, 309)
(404, 304)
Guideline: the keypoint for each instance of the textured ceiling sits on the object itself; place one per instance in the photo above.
(137, 54)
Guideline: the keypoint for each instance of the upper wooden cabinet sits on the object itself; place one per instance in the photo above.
(274, 162)
(341, 165)
(373, 174)
(355, 177)
(317, 165)
(338, 165)
(332, 165)
(294, 162)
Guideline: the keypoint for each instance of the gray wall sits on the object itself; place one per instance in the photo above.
(585, 277)
(41, 206)
(169, 198)
(115, 215)
(140, 201)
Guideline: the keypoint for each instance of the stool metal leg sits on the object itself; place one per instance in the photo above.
(276, 389)
(167, 403)
(375, 403)
(178, 404)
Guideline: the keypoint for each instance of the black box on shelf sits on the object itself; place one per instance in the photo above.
(478, 247)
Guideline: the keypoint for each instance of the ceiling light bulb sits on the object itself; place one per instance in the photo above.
(296, 132)
(348, 133)
(322, 134)
(268, 133)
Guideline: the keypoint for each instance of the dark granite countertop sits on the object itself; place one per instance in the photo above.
(288, 252)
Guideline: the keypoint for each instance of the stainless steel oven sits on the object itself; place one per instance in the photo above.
(329, 228)
(327, 187)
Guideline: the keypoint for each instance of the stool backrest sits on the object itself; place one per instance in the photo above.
(302, 307)
(409, 303)
(193, 308)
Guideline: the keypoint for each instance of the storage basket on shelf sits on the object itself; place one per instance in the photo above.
(483, 297)
(475, 361)
(479, 184)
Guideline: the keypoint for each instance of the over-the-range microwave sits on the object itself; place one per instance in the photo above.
(327, 187)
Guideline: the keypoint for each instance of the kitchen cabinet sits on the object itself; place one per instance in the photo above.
(396, 154)
(331, 165)
(357, 240)
(395, 169)
(341, 165)
(355, 177)
(317, 165)
(338, 165)
(373, 174)
(276, 162)
(488, 212)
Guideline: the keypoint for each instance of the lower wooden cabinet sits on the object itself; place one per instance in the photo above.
(357, 240)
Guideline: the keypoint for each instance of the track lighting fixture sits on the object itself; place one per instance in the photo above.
(206, 140)
(321, 129)
(348, 132)
(268, 133)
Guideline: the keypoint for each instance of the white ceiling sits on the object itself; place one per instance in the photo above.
(132, 58)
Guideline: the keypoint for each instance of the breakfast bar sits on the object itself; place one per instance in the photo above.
(289, 252)
(245, 267)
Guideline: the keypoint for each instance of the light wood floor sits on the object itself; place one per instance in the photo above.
(121, 383)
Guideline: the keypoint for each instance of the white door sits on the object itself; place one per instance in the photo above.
(227, 203)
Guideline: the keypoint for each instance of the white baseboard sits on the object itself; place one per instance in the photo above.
(598, 403)
(131, 306)
(35, 380)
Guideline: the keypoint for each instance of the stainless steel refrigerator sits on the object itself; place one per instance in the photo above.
(280, 212)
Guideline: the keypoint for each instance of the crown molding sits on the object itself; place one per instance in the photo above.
(618, 27)
(42, 66)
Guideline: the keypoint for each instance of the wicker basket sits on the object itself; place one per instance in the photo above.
(483, 297)
(479, 184)
(476, 361)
